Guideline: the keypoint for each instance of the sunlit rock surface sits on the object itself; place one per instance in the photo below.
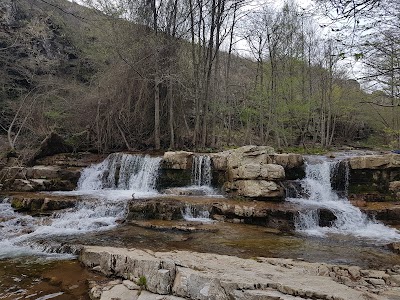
(193, 275)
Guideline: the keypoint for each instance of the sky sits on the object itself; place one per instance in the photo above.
(354, 69)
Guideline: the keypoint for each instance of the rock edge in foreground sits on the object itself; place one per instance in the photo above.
(200, 276)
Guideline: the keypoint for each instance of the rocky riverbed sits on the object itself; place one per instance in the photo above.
(184, 208)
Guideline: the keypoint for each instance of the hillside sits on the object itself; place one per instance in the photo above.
(44, 67)
(104, 83)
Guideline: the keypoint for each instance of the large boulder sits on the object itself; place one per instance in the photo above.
(178, 160)
(255, 171)
(257, 189)
(244, 155)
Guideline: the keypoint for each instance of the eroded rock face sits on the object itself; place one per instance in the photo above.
(202, 276)
(160, 209)
(257, 189)
(374, 177)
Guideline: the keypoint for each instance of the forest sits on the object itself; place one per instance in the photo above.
(199, 74)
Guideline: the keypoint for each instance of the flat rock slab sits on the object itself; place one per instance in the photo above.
(193, 275)
(41, 202)
(177, 225)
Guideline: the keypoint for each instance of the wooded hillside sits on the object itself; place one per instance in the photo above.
(170, 74)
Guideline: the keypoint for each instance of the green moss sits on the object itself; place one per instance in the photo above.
(17, 204)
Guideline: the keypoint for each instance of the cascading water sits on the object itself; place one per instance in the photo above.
(202, 175)
(319, 194)
(103, 190)
(120, 171)
(192, 213)
(201, 170)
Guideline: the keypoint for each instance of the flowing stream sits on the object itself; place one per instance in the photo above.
(322, 189)
(103, 191)
(201, 170)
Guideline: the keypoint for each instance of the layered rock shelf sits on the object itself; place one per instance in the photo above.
(375, 177)
(199, 276)
(60, 172)
(251, 171)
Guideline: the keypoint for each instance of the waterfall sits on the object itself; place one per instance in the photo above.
(103, 191)
(193, 213)
(201, 170)
(122, 171)
(322, 189)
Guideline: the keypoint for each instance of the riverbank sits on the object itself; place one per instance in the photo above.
(192, 275)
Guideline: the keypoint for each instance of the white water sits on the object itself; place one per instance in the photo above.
(201, 176)
(201, 170)
(193, 214)
(103, 190)
(120, 173)
(320, 195)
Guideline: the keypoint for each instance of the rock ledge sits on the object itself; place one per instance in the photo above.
(192, 275)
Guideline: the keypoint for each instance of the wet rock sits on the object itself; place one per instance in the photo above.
(43, 172)
(161, 209)
(388, 212)
(326, 217)
(241, 156)
(273, 216)
(34, 203)
(395, 247)
(177, 226)
(169, 178)
(186, 191)
(254, 171)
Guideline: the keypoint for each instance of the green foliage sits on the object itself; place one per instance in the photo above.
(248, 113)
(142, 282)
(393, 136)
(54, 115)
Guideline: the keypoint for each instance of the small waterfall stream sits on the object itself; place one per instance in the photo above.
(103, 189)
(196, 214)
(322, 189)
(201, 170)
(120, 171)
